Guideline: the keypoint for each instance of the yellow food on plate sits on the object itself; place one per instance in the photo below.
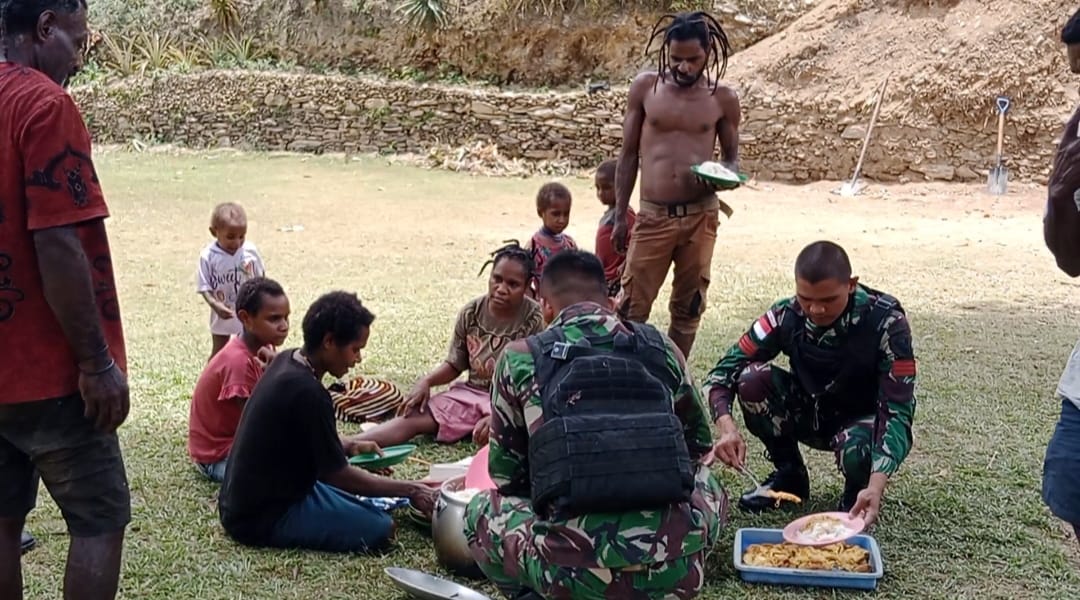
(842, 557)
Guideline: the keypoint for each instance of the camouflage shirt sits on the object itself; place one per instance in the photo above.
(600, 540)
(896, 370)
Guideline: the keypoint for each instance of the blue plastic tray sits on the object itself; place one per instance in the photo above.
(805, 577)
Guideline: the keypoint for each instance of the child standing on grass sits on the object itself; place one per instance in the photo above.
(612, 260)
(224, 265)
(553, 207)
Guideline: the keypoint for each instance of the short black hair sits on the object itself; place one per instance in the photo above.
(21, 16)
(821, 261)
(515, 252)
(607, 169)
(339, 314)
(549, 192)
(1070, 33)
(252, 292)
(574, 274)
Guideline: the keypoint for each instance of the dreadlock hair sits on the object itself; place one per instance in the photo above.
(1070, 33)
(700, 26)
(513, 251)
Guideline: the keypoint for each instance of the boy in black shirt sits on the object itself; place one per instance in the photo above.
(289, 484)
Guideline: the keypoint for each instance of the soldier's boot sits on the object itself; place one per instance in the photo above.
(790, 476)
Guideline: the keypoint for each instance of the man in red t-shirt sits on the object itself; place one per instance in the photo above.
(227, 380)
(63, 382)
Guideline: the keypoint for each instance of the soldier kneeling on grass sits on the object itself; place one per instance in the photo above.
(598, 436)
(850, 388)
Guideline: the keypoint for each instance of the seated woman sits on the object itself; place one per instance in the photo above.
(484, 327)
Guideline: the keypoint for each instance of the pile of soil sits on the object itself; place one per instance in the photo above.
(948, 59)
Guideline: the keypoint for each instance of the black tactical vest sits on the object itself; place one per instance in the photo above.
(843, 381)
(610, 440)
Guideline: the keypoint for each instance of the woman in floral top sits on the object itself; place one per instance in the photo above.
(485, 326)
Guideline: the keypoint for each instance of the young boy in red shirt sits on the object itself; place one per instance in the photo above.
(228, 379)
(613, 261)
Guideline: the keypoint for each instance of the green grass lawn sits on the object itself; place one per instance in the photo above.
(993, 323)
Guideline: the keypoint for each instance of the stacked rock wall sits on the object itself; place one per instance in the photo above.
(781, 139)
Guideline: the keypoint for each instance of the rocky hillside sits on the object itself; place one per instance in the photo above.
(485, 40)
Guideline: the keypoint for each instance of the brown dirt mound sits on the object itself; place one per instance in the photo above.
(948, 59)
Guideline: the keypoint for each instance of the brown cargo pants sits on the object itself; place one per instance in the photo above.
(686, 235)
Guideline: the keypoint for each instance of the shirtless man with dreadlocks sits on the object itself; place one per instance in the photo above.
(674, 116)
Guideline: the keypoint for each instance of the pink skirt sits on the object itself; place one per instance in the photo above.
(458, 410)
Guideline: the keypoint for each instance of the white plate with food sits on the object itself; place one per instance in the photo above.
(719, 175)
(822, 529)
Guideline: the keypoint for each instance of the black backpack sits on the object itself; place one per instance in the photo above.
(610, 440)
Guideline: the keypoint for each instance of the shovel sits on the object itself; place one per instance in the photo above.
(998, 179)
(852, 187)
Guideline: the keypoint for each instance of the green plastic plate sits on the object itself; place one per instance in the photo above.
(722, 182)
(392, 455)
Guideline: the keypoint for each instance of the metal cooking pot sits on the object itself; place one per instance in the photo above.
(448, 532)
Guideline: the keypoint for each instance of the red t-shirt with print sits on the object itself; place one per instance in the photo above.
(47, 179)
(215, 412)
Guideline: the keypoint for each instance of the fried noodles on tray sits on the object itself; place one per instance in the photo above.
(842, 557)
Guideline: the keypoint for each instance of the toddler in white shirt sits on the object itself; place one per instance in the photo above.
(224, 265)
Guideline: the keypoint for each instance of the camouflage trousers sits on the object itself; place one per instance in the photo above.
(508, 541)
(779, 413)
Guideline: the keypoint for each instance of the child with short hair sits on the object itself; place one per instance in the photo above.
(553, 207)
(612, 260)
(228, 379)
(224, 265)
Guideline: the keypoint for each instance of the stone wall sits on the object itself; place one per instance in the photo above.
(782, 139)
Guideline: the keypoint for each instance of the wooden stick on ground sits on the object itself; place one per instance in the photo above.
(869, 132)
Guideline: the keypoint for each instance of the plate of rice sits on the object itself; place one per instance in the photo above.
(719, 175)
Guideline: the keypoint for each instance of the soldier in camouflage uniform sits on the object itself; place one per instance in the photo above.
(850, 390)
(641, 554)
